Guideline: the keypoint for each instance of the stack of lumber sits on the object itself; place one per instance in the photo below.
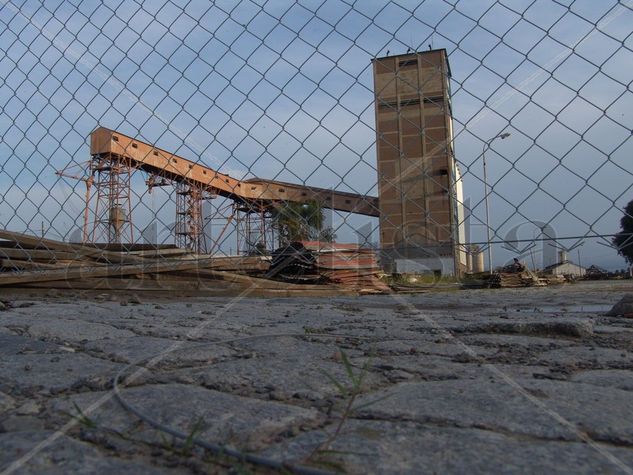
(525, 278)
(348, 265)
(31, 253)
(553, 279)
(29, 261)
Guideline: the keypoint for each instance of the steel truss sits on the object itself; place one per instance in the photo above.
(111, 175)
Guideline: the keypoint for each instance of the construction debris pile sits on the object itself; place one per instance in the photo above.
(553, 279)
(348, 265)
(513, 278)
(29, 261)
(525, 278)
(313, 261)
(294, 263)
(514, 275)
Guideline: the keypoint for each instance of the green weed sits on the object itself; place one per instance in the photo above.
(82, 418)
(349, 390)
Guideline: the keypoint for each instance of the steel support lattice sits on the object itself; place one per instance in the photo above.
(111, 175)
(255, 228)
(189, 231)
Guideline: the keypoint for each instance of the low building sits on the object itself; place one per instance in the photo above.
(566, 268)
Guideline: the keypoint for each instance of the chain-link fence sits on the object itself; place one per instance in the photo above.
(439, 131)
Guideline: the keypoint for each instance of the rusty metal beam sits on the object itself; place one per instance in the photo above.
(173, 167)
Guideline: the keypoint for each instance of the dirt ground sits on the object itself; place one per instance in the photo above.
(508, 381)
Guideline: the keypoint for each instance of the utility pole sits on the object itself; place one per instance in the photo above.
(502, 136)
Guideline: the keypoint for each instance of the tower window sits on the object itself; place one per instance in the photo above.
(408, 62)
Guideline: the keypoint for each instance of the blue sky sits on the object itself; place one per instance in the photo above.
(283, 90)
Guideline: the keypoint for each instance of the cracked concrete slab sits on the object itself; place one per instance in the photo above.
(501, 340)
(75, 330)
(279, 379)
(6, 403)
(511, 380)
(53, 373)
(18, 345)
(224, 418)
(566, 328)
(588, 356)
(617, 378)
(383, 447)
(175, 352)
(62, 455)
(539, 408)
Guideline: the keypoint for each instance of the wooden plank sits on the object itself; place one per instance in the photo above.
(240, 263)
(130, 247)
(24, 265)
(78, 263)
(81, 249)
(136, 284)
(161, 252)
(12, 244)
(210, 274)
(319, 291)
(264, 283)
(72, 273)
(209, 287)
(30, 254)
(93, 271)
(33, 265)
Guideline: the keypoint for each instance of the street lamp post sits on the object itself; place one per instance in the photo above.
(502, 136)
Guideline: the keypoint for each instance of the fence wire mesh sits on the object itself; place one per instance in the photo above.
(436, 131)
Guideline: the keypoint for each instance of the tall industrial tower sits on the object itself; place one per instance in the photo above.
(419, 182)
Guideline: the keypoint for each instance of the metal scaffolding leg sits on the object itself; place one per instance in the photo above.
(220, 222)
(111, 176)
(189, 218)
(255, 229)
